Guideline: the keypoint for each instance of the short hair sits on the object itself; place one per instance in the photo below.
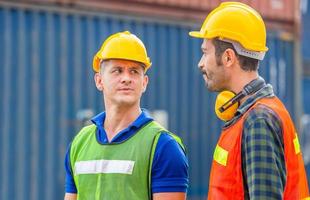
(246, 63)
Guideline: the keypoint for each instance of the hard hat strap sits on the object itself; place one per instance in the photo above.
(259, 55)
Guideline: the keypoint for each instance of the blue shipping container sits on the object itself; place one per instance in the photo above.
(305, 30)
(306, 95)
(46, 78)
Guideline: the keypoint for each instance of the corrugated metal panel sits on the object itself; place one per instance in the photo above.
(305, 34)
(306, 95)
(46, 78)
(305, 143)
(271, 10)
(305, 120)
(305, 124)
(279, 69)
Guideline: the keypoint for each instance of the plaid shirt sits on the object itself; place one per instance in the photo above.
(262, 149)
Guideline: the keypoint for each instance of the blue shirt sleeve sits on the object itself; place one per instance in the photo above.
(69, 185)
(170, 166)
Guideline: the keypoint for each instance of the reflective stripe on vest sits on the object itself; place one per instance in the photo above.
(220, 155)
(104, 166)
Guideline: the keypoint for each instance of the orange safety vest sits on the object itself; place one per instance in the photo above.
(226, 173)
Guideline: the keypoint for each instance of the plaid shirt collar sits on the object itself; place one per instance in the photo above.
(266, 91)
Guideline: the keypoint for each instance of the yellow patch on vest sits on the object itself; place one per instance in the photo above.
(307, 198)
(296, 144)
(220, 155)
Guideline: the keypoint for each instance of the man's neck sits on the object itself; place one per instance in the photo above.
(237, 83)
(118, 119)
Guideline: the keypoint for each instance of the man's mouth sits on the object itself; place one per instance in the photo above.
(125, 89)
(204, 73)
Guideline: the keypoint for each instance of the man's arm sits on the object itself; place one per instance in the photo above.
(169, 196)
(70, 196)
(70, 187)
(169, 179)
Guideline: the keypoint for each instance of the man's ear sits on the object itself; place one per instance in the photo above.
(229, 57)
(98, 81)
(145, 82)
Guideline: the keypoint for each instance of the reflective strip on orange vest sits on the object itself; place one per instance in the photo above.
(220, 155)
(296, 144)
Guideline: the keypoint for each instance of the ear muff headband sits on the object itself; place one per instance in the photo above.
(226, 105)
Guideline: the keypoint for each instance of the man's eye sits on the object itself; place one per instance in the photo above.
(117, 71)
(134, 71)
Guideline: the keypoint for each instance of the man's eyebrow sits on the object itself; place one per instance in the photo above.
(116, 66)
(136, 67)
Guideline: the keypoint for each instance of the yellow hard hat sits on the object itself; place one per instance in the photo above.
(122, 45)
(236, 22)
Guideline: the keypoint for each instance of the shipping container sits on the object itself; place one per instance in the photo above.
(305, 123)
(306, 94)
(305, 119)
(47, 90)
(305, 35)
(271, 10)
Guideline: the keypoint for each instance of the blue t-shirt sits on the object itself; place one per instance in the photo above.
(170, 165)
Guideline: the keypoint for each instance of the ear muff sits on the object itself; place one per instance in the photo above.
(227, 102)
(223, 99)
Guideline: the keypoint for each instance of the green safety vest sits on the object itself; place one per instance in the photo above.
(118, 171)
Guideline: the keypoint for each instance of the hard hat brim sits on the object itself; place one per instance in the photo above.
(196, 34)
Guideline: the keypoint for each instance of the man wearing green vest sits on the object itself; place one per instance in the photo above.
(124, 154)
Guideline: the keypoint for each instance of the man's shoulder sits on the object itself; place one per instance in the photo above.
(262, 119)
(261, 112)
(165, 134)
(85, 132)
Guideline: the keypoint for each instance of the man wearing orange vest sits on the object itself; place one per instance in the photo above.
(258, 154)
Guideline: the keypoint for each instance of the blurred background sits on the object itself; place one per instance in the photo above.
(47, 92)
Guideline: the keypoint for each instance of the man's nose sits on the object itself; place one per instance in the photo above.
(126, 78)
(200, 63)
